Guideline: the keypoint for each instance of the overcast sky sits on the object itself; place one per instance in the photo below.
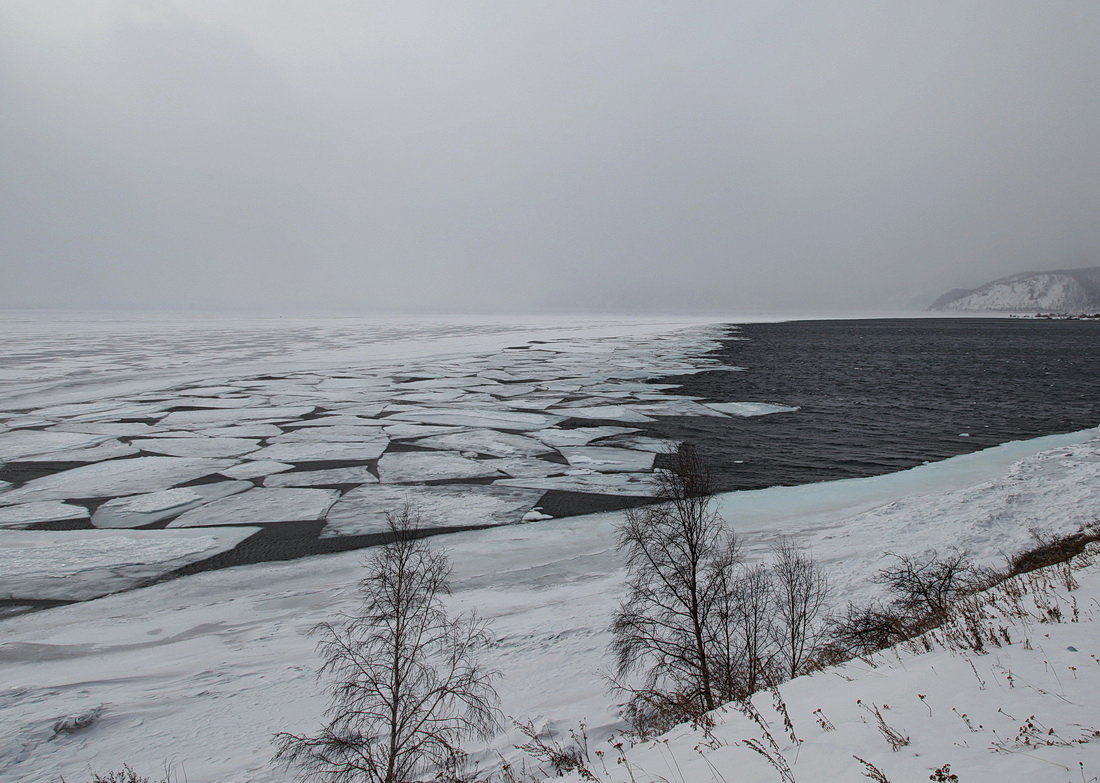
(519, 156)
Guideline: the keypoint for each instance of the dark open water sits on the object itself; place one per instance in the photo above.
(877, 396)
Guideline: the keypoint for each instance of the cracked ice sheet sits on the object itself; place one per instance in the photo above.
(363, 510)
(261, 506)
(114, 478)
(490, 419)
(485, 441)
(318, 478)
(749, 408)
(415, 466)
(608, 459)
(630, 484)
(322, 451)
(14, 517)
(77, 565)
(139, 510)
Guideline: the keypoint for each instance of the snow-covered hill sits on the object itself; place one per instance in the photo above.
(1007, 692)
(1060, 291)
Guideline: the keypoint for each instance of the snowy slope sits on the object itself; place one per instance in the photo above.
(1022, 708)
(1061, 291)
(202, 671)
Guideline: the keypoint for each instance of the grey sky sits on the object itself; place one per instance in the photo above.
(516, 155)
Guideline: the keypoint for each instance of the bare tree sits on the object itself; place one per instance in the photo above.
(929, 587)
(753, 624)
(801, 591)
(680, 560)
(405, 685)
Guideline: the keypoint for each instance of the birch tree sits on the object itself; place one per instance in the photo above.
(404, 683)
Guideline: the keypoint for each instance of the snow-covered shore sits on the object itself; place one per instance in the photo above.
(201, 671)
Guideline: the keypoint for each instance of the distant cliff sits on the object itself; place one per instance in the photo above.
(1059, 291)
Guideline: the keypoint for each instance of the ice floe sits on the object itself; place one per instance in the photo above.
(76, 565)
(234, 415)
(322, 451)
(674, 408)
(212, 402)
(521, 467)
(404, 431)
(126, 428)
(410, 466)
(579, 436)
(608, 459)
(604, 413)
(19, 444)
(492, 419)
(321, 478)
(114, 478)
(242, 431)
(642, 443)
(249, 470)
(340, 420)
(337, 434)
(485, 441)
(363, 510)
(111, 449)
(197, 447)
(139, 510)
(630, 484)
(749, 408)
(257, 506)
(42, 511)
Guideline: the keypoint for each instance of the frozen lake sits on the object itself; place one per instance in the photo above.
(271, 438)
(286, 437)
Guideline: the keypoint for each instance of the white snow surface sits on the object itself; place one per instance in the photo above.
(201, 671)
